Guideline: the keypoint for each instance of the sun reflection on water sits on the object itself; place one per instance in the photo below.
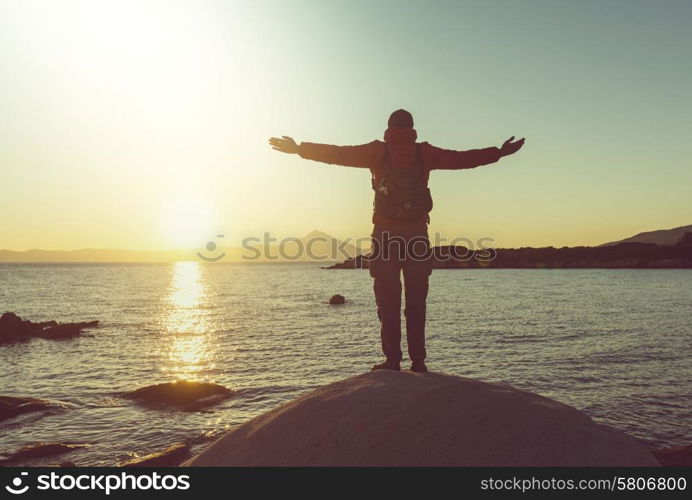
(189, 342)
(187, 288)
(185, 300)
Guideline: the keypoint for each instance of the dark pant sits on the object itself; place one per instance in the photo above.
(397, 249)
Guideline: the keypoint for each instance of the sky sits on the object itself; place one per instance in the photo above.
(144, 124)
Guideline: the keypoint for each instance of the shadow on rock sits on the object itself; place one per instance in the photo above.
(678, 456)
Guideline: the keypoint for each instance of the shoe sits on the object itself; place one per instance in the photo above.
(388, 365)
(419, 366)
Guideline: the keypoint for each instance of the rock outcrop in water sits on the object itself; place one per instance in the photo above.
(387, 418)
(12, 327)
(337, 300)
(11, 406)
(170, 457)
(40, 450)
(181, 394)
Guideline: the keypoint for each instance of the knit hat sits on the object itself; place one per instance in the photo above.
(400, 118)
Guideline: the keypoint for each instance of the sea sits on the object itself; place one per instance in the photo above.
(616, 344)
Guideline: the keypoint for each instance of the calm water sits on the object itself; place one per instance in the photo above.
(614, 343)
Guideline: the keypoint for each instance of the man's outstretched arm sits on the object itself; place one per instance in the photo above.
(363, 156)
(446, 159)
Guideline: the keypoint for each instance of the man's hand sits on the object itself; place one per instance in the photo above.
(509, 147)
(285, 144)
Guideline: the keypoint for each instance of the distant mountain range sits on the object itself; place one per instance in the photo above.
(660, 237)
(314, 246)
(94, 255)
(325, 248)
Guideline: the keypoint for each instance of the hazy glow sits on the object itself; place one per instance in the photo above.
(115, 113)
(187, 223)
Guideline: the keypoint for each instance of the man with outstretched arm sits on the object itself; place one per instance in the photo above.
(400, 168)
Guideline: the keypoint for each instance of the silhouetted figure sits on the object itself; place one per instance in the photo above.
(400, 168)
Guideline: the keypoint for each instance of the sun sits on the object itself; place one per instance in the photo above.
(187, 222)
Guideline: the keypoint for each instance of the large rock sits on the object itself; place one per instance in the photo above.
(182, 394)
(387, 418)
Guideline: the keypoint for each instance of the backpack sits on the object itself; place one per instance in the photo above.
(402, 193)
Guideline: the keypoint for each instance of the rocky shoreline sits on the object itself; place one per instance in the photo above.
(179, 395)
(620, 256)
(328, 417)
(356, 400)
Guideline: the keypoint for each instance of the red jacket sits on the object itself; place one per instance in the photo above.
(402, 153)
